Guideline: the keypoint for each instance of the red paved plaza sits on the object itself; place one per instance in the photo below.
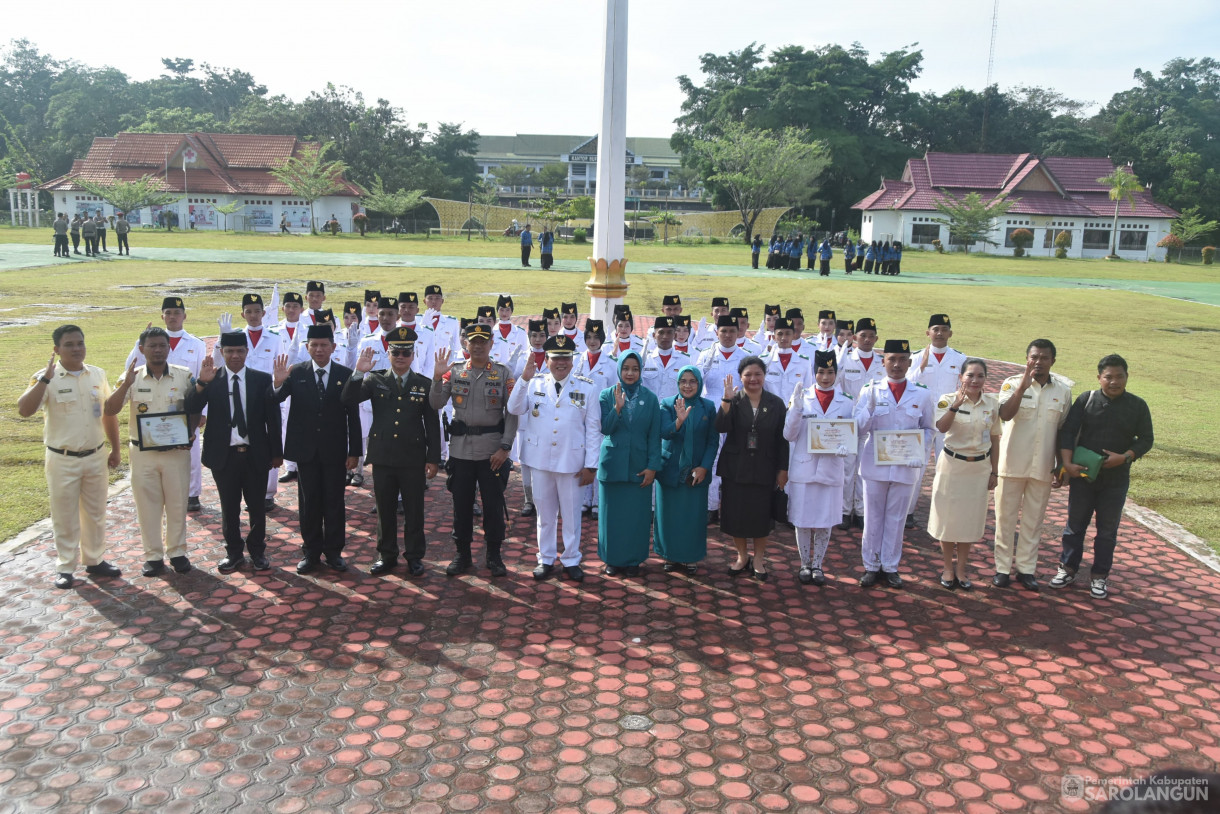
(664, 693)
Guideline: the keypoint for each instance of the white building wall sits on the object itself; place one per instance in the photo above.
(257, 214)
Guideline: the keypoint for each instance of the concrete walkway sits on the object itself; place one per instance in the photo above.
(275, 692)
(19, 255)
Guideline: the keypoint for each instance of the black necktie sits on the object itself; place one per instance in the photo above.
(321, 382)
(558, 388)
(239, 412)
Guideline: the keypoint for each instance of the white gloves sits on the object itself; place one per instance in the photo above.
(225, 322)
(841, 451)
(914, 463)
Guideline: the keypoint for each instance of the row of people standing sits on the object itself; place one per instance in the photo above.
(877, 257)
(92, 230)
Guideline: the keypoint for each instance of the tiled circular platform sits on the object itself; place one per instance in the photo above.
(665, 693)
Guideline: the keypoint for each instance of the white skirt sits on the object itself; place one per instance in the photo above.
(814, 505)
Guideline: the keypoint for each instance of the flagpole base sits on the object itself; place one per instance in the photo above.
(607, 285)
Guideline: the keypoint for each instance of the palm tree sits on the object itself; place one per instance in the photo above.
(1123, 185)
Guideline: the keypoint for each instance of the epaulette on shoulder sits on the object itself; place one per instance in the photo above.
(580, 378)
(849, 396)
(921, 384)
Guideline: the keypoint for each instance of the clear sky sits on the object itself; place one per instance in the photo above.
(504, 68)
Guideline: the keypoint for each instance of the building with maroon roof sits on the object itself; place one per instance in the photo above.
(1051, 195)
(209, 170)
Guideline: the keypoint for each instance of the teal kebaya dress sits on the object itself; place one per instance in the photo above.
(681, 528)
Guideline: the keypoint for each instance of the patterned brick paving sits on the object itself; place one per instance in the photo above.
(665, 693)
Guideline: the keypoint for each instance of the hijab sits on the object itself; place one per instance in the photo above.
(699, 408)
(631, 391)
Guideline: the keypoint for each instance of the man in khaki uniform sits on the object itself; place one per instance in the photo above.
(71, 394)
(160, 478)
(1033, 406)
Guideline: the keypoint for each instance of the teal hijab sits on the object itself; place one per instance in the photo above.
(698, 407)
(630, 391)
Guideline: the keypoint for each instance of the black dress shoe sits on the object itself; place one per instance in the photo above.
(230, 564)
(669, 567)
(892, 579)
(857, 520)
(948, 584)
(289, 476)
(180, 564)
(307, 566)
(612, 570)
(965, 584)
(761, 576)
(268, 505)
(819, 578)
(347, 481)
(846, 523)
(1028, 581)
(102, 569)
(544, 570)
(336, 563)
(631, 571)
(64, 581)
(805, 575)
(382, 567)
(691, 569)
(999, 580)
(477, 511)
(749, 566)
(910, 524)
(528, 510)
(415, 568)
(869, 579)
(193, 504)
(358, 479)
(460, 565)
(153, 568)
(496, 566)
(574, 573)
(261, 563)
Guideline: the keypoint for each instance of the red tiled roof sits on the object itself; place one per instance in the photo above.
(225, 164)
(928, 179)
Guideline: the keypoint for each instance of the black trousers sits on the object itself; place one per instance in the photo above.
(466, 475)
(323, 515)
(754, 259)
(847, 264)
(825, 268)
(1103, 498)
(239, 478)
(123, 243)
(525, 255)
(548, 259)
(101, 238)
(61, 245)
(389, 484)
(868, 266)
(76, 242)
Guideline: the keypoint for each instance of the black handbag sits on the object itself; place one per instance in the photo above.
(779, 506)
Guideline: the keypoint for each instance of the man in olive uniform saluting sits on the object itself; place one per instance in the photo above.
(404, 447)
(481, 435)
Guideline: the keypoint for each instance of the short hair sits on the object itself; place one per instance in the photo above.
(974, 360)
(1044, 344)
(750, 360)
(153, 331)
(1111, 360)
(59, 332)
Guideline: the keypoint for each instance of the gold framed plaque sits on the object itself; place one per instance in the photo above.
(162, 431)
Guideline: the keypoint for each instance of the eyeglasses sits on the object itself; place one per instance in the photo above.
(401, 352)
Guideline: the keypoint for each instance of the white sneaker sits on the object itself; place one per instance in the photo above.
(1098, 588)
(1063, 578)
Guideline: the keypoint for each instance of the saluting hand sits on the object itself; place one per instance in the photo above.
(225, 322)
(927, 353)
(1028, 378)
(681, 410)
(530, 368)
(280, 369)
(730, 386)
(130, 378)
(207, 370)
(50, 371)
(620, 398)
(364, 363)
(442, 363)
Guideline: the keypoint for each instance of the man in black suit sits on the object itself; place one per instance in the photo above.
(404, 446)
(323, 438)
(240, 445)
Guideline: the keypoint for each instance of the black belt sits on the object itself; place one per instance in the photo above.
(239, 448)
(967, 458)
(462, 428)
(72, 454)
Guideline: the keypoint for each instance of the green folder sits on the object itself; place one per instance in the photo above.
(1090, 460)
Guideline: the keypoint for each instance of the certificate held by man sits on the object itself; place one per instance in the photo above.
(827, 435)
(160, 431)
(897, 447)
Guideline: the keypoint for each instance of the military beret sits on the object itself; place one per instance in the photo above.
(320, 331)
(293, 296)
(172, 302)
(315, 285)
(897, 346)
(251, 299)
(939, 319)
(233, 339)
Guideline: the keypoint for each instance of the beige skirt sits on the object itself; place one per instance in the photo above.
(959, 500)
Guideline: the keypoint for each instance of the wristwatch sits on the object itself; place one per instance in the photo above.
(44, 380)
(506, 447)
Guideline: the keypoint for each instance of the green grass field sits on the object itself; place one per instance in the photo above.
(1165, 341)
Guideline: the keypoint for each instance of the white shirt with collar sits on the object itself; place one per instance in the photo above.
(187, 352)
(877, 410)
(235, 437)
(852, 373)
(781, 380)
(660, 373)
(940, 376)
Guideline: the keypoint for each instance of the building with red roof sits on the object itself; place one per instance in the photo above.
(209, 170)
(1050, 195)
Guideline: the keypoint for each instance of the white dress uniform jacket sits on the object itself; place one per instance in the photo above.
(781, 378)
(660, 374)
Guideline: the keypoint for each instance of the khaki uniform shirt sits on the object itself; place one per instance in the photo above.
(73, 407)
(972, 428)
(480, 399)
(1029, 441)
(152, 395)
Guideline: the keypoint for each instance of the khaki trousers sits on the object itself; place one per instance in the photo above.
(1027, 497)
(78, 489)
(159, 483)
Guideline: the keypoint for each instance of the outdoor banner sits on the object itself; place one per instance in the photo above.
(298, 217)
(203, 216)
(133, 218)
(88, 208)
(262, 219)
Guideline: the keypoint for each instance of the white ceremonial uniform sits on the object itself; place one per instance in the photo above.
(527, 472)
(803, 349)
(633, 342)
(604, 373)
(423, 361)
(259, 357)
(446, 331)
(561, 434)
(702, 336)
(1029, 443)
(815, 480)
(824, 342)
(292, 343)
(186, 350)
(939, 376)
(576, 336)
(715, 366)
(750, 346)
(381, 361)
(660, 374)
(887, 488)
(509, 350)
(853, 375)
(784, 370)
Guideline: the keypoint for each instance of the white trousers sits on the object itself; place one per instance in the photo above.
(196, 483)
(1028, 498)
(78, 489)
(938, 443)
(557, 496)
(366, 423)
(885, 514)
(159, 482)
(853, 486)
(713, 490)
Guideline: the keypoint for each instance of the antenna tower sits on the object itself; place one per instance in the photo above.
(995, 23)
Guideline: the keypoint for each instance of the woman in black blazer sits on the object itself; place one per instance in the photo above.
(753, 462)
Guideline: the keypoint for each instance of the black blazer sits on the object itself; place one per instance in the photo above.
(759, 466)
(406, 429)
(262, 419)
(320, 427)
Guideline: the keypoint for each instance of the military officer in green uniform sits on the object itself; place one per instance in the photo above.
(404, 446)
(480, 437)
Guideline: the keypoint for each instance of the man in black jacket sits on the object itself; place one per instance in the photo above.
(404, 446)
(323, 438)
(240, 445)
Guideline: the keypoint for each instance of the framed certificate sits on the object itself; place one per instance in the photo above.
(160, 431)
(826, 435)
(897, 447)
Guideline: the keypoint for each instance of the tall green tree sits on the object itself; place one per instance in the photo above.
(310, 176)
(513, 175)
(1124, 186)
(484, 195)
(1192, 227)
(756, 169)
(128, 196)
(971, 219)
(396, 203)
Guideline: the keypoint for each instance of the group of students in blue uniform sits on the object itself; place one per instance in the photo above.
(878, 257)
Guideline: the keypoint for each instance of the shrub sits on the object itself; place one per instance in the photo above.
(936, 244)
(1209, 255)
(1061, 252)
(579, 235)
(1170, 242)
(715, 241)
(1022, 239)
